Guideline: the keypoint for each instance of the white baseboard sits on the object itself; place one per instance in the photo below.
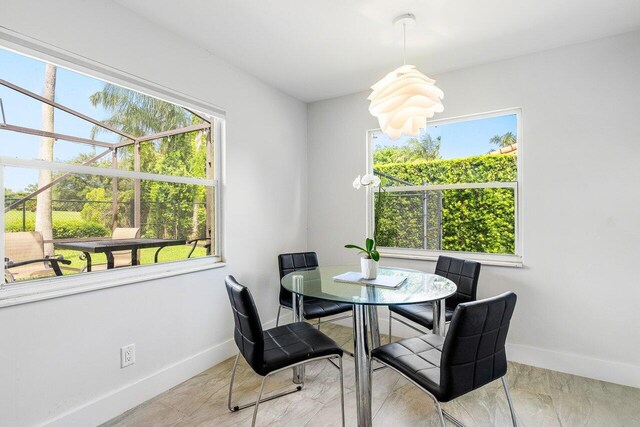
(569, 363)
(116, 402)
(575, 364)
(121, 400)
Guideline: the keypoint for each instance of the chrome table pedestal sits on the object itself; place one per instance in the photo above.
(362, 314)
(298, 316)
(439, 320)
(419, 287)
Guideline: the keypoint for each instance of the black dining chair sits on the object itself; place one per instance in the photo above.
(274, 350)
(313, 308)
(469, 357)
(462, 272)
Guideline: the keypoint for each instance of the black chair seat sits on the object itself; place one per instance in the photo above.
(418, 358)
(422, 314)
(316, 308)
(289, 344)
(470, 356)
(279, 348)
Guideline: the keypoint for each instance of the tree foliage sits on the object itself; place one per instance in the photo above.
(505, 140)
(167, 209)
(425, 148)
(473, 220)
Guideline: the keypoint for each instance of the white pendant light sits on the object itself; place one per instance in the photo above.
(405, 98)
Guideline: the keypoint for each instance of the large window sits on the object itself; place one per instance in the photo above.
(88, 166)
(454, 188)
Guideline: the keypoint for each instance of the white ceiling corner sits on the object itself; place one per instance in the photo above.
(322, 49)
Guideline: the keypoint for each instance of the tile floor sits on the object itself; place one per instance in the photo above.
(541, 398)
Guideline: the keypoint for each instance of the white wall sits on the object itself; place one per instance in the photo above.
(59, 359)
(579, 290)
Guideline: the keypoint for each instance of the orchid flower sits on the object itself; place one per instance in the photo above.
(357, 184)
(366, 180)
(370, 179)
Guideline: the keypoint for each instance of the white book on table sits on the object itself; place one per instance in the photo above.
(383, 281)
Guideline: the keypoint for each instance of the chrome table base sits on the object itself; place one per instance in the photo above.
(362, 313)
(298, 316)
(366, 335)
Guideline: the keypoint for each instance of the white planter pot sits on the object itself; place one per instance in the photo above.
(369, 268)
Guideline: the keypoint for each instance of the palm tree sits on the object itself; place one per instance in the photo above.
(426, 148)
(43, 206)
(503, 140)
(139, 115)
(136, 113)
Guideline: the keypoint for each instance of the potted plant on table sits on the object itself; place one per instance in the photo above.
(369, 260)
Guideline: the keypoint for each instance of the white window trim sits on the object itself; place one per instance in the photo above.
(504, 260)
(54, 287)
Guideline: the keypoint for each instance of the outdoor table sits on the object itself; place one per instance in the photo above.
(419, 287)
(107, 247)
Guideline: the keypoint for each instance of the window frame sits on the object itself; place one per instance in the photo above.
(53, 287)
(506, 260)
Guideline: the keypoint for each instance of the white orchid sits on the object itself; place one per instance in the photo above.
(366, 180)
(370, 179)
(357, 183)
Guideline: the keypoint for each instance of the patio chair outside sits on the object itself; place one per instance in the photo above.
(123, 258)
(25, 259)
(120, 258)
(200, 242)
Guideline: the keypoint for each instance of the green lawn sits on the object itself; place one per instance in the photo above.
(170, 253)
(16, 216)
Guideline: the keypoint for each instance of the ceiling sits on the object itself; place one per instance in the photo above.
(326, 48)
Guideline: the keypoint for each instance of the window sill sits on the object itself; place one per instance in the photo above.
(43, 289)
(514, 261)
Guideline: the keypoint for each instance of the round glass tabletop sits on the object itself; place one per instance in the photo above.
(418, 287)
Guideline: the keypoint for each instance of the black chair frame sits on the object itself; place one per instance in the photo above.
(259, 400)
(440, 259)
(442, 414)
(54, 262)
(195, 242)
(449, 347)
(319, 322)
(249, 336)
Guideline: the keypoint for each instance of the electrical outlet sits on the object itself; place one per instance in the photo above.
(127, 355)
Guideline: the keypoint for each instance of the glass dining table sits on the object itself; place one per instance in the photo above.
(419, 287)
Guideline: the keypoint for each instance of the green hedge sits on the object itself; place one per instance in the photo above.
(473, 220)
(62, 229)
(75, 228)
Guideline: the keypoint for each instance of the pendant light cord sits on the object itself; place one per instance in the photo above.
(404, 43)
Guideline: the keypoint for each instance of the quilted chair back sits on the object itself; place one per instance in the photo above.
(248, 328)
(473, 353)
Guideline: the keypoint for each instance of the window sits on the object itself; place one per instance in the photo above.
(454, 188)
(89, 166)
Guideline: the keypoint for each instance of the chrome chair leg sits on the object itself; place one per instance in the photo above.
(275, 396)
(390, 317)
(318, 324)
(513, 412)
(278, 318)
(237, 408)
(440, 414)
(233, 376)
(438, 407)
(255, 409)
(341, 389)
(452, 419)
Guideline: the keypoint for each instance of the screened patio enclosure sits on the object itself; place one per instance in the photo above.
(149, 171)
